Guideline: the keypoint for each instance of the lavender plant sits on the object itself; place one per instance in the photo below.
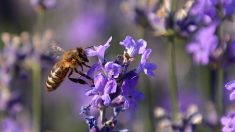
(18, 57)
(200, 22)
(114, 84)
(12, 109)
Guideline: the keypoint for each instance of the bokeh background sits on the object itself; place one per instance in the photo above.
(73, 23)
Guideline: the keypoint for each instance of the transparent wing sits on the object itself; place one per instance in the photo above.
(54, 51)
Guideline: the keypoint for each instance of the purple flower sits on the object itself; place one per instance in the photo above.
(228, 122)
(115, 84)
(99, 51)
(112, 69)
(203, 45)
(91, 121)
(103, 87)
(94, 68)
(134, 47)
(144, 66)
(227, 6)
(131, 95)
(229, 9)
(204, 10)
(230, 86)
(158, 23)
(99, 81)
(10, 125)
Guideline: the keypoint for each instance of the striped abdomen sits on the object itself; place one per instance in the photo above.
(56, 76)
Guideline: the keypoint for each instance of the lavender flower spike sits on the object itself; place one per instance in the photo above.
(99, 51)
(114, 83)
(204, 44)
(134, 47)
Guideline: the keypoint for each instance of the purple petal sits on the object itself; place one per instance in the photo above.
(106, 98)
(129, 85)
(91, 92)
(149, 68)
(224, 120)
(232, 95)
(110, 87)
(142, 44)
(133, 48)
(112, 69)
(100, 81)
(99, 51)
(128, 42)
(145, 55)
(96, 100)
(192, 47)
(126, 104)
(94, 68)
(201, 57)
(230, 85)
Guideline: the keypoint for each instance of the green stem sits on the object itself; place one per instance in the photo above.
(173, 79)
(36, 111)
(149, 121)
(36, 73)
(173, 5)
(40, 22)
(219, 90)
(150, 106)
(220, 76)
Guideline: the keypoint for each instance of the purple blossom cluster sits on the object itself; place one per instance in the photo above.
(228, 121)
(114, 84)
(207, 45)
(197, 20)
(16, 59)
(203, 44)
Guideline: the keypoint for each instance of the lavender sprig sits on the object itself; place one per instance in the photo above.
(114, 83)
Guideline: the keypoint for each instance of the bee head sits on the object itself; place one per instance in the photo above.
(82, 54)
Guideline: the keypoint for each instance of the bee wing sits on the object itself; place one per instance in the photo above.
(54, 51)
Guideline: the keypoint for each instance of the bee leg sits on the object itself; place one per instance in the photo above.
(84, 75)
(70, 73)
(86, 65)
(76, 70)
(76, 80)
(80, 66)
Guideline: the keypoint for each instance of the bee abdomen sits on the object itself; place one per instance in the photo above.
(55, 77)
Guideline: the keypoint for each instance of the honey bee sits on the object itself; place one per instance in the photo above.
(66, 65)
